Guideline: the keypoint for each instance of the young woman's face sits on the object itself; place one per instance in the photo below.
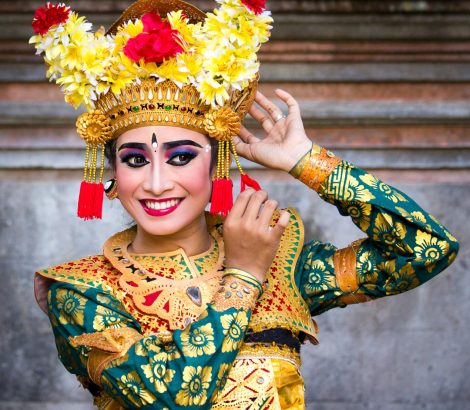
(163, 175)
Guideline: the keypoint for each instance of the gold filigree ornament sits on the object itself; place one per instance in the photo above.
(222, 124)
(94, 128)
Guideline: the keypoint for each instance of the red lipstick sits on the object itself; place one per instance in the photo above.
(160, 212)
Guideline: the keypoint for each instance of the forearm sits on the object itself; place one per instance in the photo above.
(152, 373)
(404, 247)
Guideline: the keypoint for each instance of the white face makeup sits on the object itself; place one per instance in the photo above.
(164, 178)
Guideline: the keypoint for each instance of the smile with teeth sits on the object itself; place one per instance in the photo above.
(159, 206)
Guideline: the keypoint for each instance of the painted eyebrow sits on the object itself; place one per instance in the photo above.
(173, 144)
(135, 145)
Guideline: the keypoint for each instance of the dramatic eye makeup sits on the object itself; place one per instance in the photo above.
(180, 156)
(133, 154)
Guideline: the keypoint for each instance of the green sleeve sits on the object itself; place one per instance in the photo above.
(183, 373)
(405, 246)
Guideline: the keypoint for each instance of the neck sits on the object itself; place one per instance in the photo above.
(194, 239)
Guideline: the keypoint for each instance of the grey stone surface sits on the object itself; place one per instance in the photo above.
(408, 352)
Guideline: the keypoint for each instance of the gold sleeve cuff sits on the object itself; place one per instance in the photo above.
(346, 275)
(106, 346)
(235, 293)
(315, 167)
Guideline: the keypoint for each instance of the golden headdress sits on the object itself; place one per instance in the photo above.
(161, 63)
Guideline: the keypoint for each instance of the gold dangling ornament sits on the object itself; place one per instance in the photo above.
(95, 129)
(223, 124)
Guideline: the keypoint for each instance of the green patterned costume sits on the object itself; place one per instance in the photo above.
(192, 367)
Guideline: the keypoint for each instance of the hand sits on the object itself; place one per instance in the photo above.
(285, 140)
(250, 242)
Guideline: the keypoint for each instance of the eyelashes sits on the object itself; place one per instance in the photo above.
(181, 157)
(134, 159)
(177, 157)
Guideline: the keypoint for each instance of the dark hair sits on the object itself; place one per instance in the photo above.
(110, 152)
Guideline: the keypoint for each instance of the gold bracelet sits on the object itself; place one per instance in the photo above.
(245, 276)
(315, 167)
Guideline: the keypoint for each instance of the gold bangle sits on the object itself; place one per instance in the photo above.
(245, 276)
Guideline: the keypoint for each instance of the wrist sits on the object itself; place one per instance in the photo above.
(315, 167)
(296, 154)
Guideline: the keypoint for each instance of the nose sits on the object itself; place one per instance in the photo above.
(159, 179)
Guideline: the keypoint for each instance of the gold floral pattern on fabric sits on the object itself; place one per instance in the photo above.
(158, 373)
(429, 249)
(233, 325)
(386, 190)
(196, 381)
(319, 277)
(401, 281)
(199, 342)
(134, 390)
(72, 308)
(250, 385)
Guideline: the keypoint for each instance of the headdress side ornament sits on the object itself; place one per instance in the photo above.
(161, 63)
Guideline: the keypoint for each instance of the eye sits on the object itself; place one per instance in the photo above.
(134, 160)
(181, 158)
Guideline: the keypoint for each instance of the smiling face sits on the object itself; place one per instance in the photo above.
(164, 178)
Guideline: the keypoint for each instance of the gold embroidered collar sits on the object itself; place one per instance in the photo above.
(171, 285)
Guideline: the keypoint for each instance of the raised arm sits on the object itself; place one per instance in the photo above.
(403, 245)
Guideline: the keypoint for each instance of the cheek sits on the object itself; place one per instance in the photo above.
(198, 179)
(127, 180)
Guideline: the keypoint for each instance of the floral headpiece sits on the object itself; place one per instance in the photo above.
(161, 63)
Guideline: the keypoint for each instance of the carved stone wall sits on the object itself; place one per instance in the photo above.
(386, 85)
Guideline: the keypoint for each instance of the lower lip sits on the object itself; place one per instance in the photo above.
(160, 212)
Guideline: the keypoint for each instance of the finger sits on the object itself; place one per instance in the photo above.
(289, 100)
(282, 223)
(254, 206)
(274, 111)
(266, 214)
(244, 150)
(247, 136)
(240, 204)
(264, 120)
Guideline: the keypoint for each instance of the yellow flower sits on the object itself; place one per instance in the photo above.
(222, 124)
(70, 306)
(196, 382)
(170, 70)
(429, 249)
(212, 92)
(234, 328)
(187, 31)
(134, 390)
(157, 372)
(198, 342)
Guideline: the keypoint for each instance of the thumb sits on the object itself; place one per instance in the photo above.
(282, 223)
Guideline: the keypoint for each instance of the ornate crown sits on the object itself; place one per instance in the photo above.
(161, 63)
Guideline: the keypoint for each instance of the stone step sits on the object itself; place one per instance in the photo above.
(314, 113)
(310, 26)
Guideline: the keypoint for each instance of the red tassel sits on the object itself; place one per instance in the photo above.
(246, 181)
(90, 200)
(222, 196)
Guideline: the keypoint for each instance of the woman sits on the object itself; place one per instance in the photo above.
(192, 310)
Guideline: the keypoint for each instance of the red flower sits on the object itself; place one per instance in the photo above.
(256, 6)
(48, 16)
(157, 42)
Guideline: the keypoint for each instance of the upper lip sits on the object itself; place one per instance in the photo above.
(161, 200)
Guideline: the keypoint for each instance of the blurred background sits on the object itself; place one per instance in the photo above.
(383, 84)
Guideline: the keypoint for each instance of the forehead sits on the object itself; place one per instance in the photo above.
(163, 133)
